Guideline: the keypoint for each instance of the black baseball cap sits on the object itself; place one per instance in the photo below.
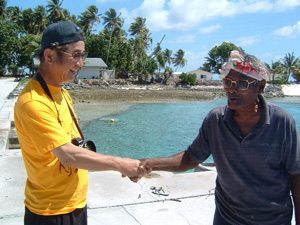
(60, 33)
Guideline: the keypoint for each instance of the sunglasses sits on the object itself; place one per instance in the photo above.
(240, 84)
(77, 55)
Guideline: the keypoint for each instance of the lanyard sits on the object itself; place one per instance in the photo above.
(46, 89)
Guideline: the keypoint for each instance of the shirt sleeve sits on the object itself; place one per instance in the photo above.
(42, 127)
(199, 150)
(292, 149)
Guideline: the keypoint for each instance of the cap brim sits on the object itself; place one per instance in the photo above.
(37, 53)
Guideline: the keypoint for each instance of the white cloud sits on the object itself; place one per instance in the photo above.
(267, 55)
(207, 30)
(247, 41)
(289, 31)
(110, 1)
(184, 15)
(183, 39)
(281, 5)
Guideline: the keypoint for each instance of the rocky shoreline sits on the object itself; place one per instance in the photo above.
(92, 91)
(124, 91)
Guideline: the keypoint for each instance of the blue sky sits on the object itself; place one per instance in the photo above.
(264, 28)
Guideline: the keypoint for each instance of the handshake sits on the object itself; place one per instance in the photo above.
(136, 169)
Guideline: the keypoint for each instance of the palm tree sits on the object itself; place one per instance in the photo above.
(40, 19)
(111, 22)
(3, 4)
(161, 61)
(88, 19)
(138, 29)
(14, 13)
(167, 74)
(55, 11)
(289, 64)
(146, 39)
(156, 50)
(179, 60)
(168, 56)
(275, 69)
(27, 20)
(211, 62)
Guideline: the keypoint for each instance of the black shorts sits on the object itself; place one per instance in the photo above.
(77, 217)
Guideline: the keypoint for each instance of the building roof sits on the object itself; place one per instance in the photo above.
(202, 72)
(94, 62)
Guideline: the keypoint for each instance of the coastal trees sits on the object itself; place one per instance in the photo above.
(179, 60)
(3, 4)
(111, 22)
(167, 74)
(55, 11)
(141, 32)
(88, 18)
(289, 64)
(168, 56)
(9, 46)
(40, 19)
(296, 74)
(188, 78)
(143, 64)
(218, 55)
(275, 70)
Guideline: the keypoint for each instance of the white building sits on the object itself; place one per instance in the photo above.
(202, 75)
(95, 68)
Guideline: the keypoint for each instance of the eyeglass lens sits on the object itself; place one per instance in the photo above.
(78, 55)
(241, 84)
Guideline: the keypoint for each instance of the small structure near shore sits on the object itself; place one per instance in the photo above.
(95, 68)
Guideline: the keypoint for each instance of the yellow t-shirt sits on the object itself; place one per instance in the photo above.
(51, 188)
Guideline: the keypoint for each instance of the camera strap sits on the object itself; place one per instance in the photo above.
(47, 91)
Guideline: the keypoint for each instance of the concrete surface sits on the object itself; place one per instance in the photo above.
(7, 85)
(111, 199)
(115, 200)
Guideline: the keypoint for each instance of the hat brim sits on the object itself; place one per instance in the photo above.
(37, 53)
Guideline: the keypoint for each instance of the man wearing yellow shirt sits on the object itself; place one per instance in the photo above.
(57, 184)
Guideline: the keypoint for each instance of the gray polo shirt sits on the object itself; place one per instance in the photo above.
(253, 182)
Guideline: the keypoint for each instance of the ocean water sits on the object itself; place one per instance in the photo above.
(159, 129)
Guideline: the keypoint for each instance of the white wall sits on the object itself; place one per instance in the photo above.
(89, 72)
(108, 74)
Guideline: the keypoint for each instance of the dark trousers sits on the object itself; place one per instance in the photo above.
(218, 219)
(77, 217)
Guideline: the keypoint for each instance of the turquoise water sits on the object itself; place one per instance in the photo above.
(159, 129)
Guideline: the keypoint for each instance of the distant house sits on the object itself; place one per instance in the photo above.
(94, 68)
(202, 75)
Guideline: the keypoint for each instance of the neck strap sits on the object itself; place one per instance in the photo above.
(47, 91)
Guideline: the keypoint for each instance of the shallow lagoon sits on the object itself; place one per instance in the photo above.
(159, 129)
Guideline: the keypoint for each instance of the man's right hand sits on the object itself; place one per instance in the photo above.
(143, 169)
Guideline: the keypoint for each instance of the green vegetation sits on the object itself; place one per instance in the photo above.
(21, 32)
(188, 78)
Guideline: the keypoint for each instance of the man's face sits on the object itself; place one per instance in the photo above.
(237, 98)
(69, 64)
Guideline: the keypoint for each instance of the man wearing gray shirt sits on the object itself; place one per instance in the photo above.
(255, 147)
